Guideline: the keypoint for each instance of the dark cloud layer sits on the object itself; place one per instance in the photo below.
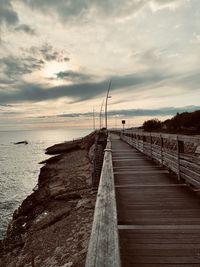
(78, 92)
(8, 15)
(10, 18)
(74, 76)
(49, 53)
(25, 28)
(71, 9)
(166, 111)
(88, 90)
(15, 67)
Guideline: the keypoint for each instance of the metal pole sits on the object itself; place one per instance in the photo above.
(106, 115)
(100, 114)
(93, 120)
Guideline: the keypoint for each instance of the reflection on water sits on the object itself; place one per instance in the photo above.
(19, 166)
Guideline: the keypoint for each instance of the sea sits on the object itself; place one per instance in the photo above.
(19, 165)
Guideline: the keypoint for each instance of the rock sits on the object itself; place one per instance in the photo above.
(1, 247)
(58, 214)
(21, 142)
(68, 264)
(51, 218)
(56, 187)
(91, 153)
(197, 151)
(83, 203)
(29, 204)
(68, 196)
(13, 241)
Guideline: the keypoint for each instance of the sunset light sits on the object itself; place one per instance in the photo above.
(51, 69)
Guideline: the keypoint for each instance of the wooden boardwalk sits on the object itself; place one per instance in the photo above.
(158, 217)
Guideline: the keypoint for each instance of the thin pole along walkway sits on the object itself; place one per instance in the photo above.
(158, 217)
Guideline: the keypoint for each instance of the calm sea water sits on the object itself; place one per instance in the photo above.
(19, 166)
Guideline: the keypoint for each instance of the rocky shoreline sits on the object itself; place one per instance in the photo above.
(52, 226)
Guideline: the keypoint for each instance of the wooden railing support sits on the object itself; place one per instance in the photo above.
(103, 250)
(180, 149)
(161, 149)
(186, 166)
(143, 141)
(151, 145)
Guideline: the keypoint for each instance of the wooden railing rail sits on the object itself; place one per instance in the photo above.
(103, 250)
(179, 153)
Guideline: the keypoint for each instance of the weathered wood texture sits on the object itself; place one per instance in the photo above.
(103, 250)
(176, 152)
(158, 216)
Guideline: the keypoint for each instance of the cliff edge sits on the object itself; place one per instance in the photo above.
(52, 226)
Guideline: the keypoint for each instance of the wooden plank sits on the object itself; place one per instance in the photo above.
(126, 159)
(170, 153)
(185, 138)
(143, 179)
(171, 164)
(141, 186)
(141, 172)
(190, 180)
(159, 219)
(139, 168)
(156, 238)
(161, 260)
(165, 250)
(191, 158)
(189, 165)
(194, 175)
(161, 265)
(159, 227)
(163, 213)
(150, 206)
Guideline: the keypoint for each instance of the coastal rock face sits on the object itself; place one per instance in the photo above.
(52, 226)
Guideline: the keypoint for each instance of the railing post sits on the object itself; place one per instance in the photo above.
(143, 142)
(151, 144)
(180, 149)
(161, 149)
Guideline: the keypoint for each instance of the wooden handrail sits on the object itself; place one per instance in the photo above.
(172, 151)
(185, 138)
(103, 250)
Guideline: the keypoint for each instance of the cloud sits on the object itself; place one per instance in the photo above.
(5, 105)
(165, 111)
(15, 67)
(49, 53)
(7, 14)
(25, 28)
(9, 17)
(35, 93)
(77, 92)
(190, 80)
(167, 3)
(5, 81)
(74, 76)
(80, 91)
(69, 10)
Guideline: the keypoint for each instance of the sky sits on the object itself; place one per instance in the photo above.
(57, 58)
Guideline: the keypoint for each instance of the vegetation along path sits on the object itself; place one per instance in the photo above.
(158, 217)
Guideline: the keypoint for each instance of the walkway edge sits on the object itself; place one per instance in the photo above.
(103, 247)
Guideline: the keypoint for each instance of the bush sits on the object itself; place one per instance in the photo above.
(184, 122)
(151, 125)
